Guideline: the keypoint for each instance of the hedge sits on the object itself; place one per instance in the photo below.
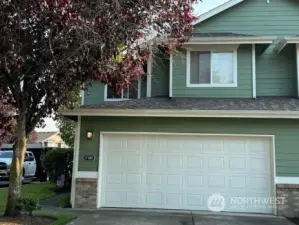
(60, 162)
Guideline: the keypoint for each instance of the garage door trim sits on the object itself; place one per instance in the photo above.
(101, 152)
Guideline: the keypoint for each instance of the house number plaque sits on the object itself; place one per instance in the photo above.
(89, 157)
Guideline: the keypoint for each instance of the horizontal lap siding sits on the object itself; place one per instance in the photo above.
(160, 76)
(244, 89)
(256, 17)
(285, 131)
(94, 94)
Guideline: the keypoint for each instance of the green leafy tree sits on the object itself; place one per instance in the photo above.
(66, 126)
(67, 130)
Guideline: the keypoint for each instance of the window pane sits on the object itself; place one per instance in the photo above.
(133, 92)
(111, 94)
(126, 93)
(200, 68)
(194, 71)
(204, 67)
(222, 68)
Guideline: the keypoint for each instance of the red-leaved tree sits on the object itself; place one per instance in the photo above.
(7, 122)
(49, 48)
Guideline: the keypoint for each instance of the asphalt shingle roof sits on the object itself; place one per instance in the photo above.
(262, 103)
(41, 136)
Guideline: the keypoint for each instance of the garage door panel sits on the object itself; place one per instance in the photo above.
(182, 171)
(237, 164)
(175, 162)
(194, 162)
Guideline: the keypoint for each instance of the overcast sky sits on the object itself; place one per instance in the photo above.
(200, 8)
(207, 5)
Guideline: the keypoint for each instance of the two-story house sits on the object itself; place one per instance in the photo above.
(220, 115)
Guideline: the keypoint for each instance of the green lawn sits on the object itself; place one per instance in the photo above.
(60, 219)
(36, 191)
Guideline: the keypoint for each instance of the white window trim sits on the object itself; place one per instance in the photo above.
(106, 99)
(149, 75)
(235, 68)
(170, 74)
(253, 71)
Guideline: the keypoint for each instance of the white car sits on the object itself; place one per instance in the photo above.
(29, 169)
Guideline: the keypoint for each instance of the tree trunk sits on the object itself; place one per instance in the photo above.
(16, 169)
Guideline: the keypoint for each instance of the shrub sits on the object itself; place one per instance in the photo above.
(28, 205)
(60, 162)
(65, 201)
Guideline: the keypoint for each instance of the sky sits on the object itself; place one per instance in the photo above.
(200, 8)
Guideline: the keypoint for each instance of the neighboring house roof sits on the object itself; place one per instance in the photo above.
(262, 107)
(217, 10)
(44, 136)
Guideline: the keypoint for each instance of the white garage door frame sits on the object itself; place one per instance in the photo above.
(101, 152)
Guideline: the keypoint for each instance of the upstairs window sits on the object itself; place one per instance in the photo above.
(211, 69)
(125, 94)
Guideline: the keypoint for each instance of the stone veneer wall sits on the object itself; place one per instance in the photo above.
(86, 196)
(86, 193)
(290, 194)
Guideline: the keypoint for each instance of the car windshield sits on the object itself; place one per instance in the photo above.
(5, 154)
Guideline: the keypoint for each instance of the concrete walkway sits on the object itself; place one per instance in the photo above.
(105, 217)
(110, 217)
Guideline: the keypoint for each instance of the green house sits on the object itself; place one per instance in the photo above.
(221, 115)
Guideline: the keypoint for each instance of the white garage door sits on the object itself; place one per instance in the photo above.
(182, 171)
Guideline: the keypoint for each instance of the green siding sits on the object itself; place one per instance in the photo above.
(160, 75)
(94, 94)
(244, 89)
(285, 131)
(276, 73)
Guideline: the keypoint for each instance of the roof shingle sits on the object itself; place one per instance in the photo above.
(262, 103)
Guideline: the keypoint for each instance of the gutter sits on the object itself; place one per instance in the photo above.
(263, 114)
(232, 40)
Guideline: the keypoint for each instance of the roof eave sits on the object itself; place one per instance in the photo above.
(232, 40)
(270, 114)
(217, 10)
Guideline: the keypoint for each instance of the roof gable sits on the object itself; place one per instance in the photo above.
(217, 10)
(44, 136)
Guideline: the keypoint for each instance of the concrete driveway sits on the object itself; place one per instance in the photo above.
(164, 218)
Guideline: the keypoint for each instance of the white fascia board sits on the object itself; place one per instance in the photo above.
(231, 40)
(217, 10)
(183, 113)
(292, 40)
